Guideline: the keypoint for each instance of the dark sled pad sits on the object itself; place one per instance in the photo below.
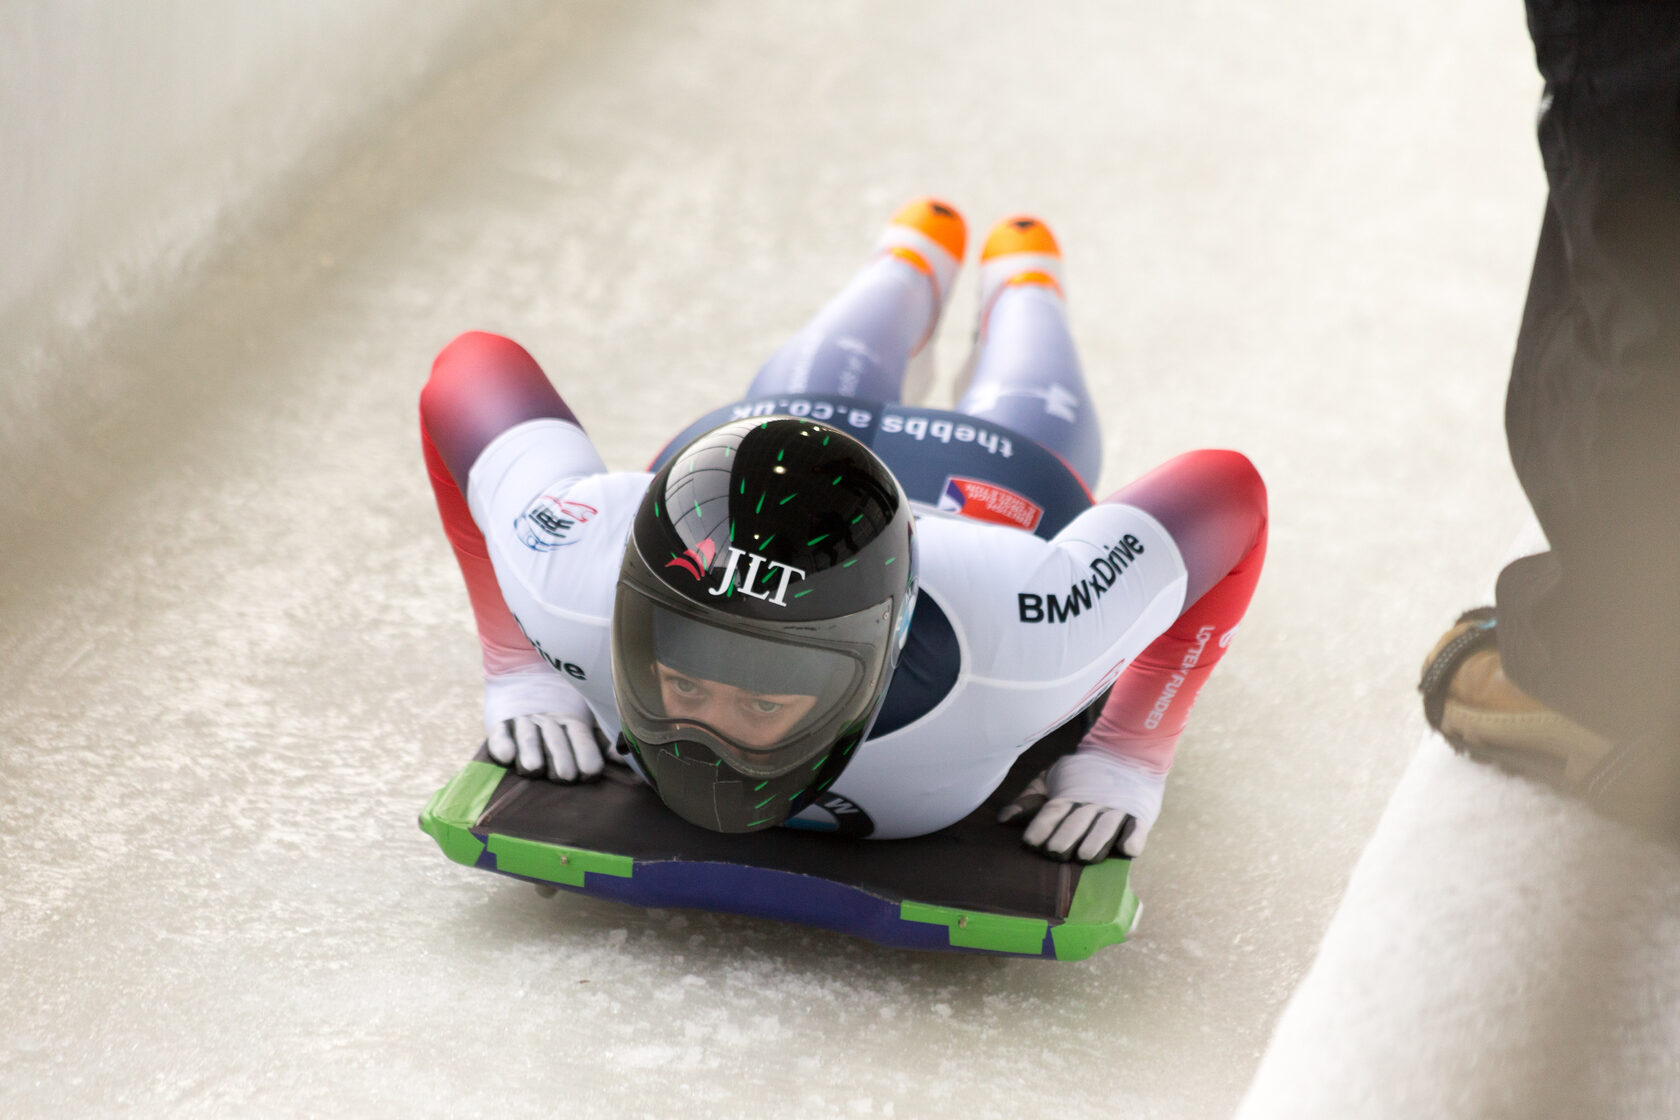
(969, 887)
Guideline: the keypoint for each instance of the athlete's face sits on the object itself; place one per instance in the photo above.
(753, 719)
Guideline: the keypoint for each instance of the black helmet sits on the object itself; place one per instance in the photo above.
(765, 595)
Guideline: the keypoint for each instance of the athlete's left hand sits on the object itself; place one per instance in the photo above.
(536, 722)
(1088, 806)
(562, 747)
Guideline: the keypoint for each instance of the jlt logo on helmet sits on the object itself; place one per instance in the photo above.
(750, 578)
(695, 561)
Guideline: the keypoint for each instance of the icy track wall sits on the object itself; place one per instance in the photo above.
(134, 137)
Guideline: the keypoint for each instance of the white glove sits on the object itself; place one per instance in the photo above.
(538, 723)
(1087, 805)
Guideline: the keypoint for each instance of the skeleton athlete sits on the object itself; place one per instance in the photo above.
(828, 609)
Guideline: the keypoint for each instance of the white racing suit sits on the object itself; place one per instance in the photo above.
(1033, 599)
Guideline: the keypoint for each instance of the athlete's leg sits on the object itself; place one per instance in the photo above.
(859, 344)
(1213, 504)
(481, 385)
(1024, 372)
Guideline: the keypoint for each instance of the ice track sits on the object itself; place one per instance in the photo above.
(235, 657)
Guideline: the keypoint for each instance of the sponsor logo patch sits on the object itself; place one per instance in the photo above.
(1106, 571)
(549, 523)
(984, 501)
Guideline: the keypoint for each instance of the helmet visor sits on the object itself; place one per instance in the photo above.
(765, 696)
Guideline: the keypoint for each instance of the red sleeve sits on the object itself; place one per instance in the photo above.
(1213, 503)
(481, 385)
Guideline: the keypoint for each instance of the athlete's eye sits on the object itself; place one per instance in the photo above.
(682, 686)
(766, 707)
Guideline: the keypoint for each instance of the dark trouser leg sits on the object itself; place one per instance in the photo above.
(1592, 627)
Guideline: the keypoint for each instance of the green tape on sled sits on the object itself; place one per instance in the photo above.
(1101, 913)
(554, 864)
(970, 930)
(449, 816)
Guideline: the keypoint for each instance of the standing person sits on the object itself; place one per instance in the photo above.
(829, 609)
(1573, 676)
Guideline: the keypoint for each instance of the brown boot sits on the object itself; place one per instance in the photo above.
(1468, 698)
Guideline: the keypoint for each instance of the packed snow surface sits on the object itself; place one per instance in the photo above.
(1501, 953)
(235, 656)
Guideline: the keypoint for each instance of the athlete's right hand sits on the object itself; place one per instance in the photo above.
(537, 723)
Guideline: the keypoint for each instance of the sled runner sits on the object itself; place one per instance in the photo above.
(969, 887)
